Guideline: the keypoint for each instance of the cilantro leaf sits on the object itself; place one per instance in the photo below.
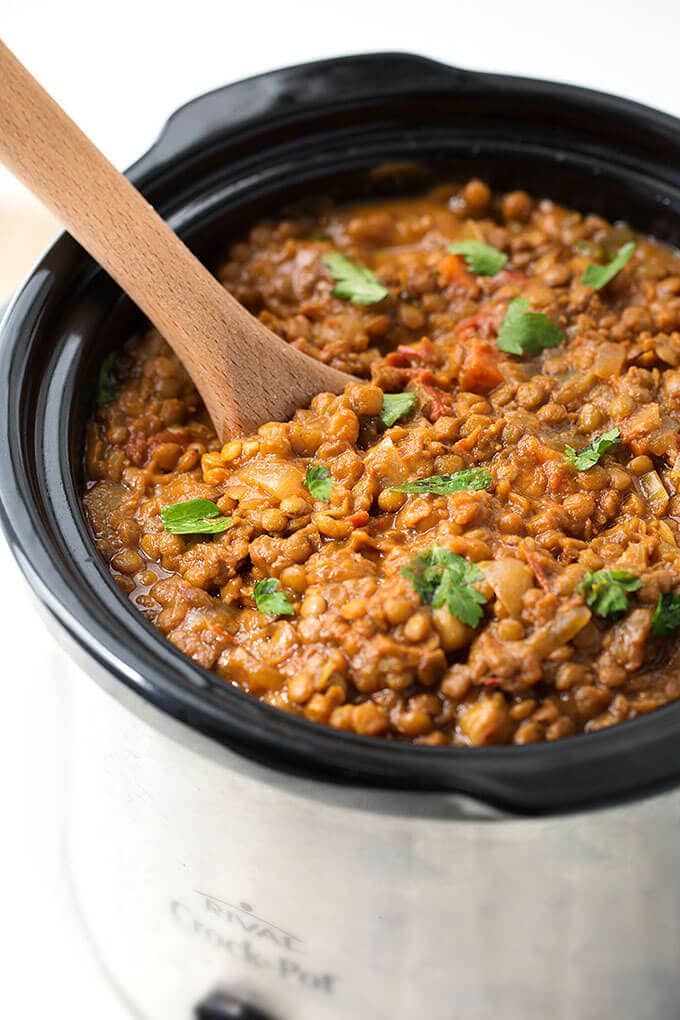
(106, 381)
(355, 282)
(318, 481)
(441, 485)
(599, 276)
(395, 406)
(269, 599)
(666, 617)
(441, 577)
(481, 259)
(525, 332)
(194, 517)
(590, 455)
(605, 590)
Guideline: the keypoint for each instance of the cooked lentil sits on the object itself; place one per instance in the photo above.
(362, 650)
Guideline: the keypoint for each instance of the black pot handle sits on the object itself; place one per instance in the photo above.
(223, 1006)
(277, 95)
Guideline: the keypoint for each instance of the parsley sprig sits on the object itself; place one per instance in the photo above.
(481, 259)
(395, 406)
(666, 617)
(106, 380)
(606, 591)
(194, 517)
(442, 485)
(318, 482)
(599, 276)
(590, 455)
(354, 282)
(525, 332)
(269, 598)
(441, 577)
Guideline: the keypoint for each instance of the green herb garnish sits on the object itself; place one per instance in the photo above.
(442, 485)
(269, 599)
(600, 276)
(590, 455)
(355, 282)
(605, 591)
(525, 332)
(590, 246)
(106, 380)
(395, 406)
(194, 517)
(666, 617)
(319, 482)
(481, 259)
(441, 577)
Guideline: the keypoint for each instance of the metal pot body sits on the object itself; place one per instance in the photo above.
(196, 870)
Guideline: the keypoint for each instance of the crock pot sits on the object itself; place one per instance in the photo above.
(229, 860)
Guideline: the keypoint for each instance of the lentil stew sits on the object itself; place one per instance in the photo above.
(477, 542)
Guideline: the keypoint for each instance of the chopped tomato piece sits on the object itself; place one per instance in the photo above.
(480, 323)
(468, 442)
(421, 353)
(538, 570)
(137, 447)
(453, 269)
(402, 357)
(436, 402)
(358, 519)
(480, 372)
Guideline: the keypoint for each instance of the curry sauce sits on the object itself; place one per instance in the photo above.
(478, 541)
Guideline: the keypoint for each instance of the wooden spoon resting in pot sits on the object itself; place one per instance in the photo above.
(245, 374)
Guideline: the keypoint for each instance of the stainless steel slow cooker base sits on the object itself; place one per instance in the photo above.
(196, 870)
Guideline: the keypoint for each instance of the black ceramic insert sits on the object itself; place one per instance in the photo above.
(221, 161)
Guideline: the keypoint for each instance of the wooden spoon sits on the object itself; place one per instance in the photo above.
(245, 374)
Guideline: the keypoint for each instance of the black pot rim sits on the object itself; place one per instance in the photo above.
(630, 759)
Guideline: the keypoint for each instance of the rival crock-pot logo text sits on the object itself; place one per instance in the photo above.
(250, 939)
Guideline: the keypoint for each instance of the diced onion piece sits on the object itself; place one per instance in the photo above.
(510, 579)
(667, 351)
(666, 533)
(643, 421)
(277, 477)
(609, 360)
(559, 631)
(385, 463)
(655, 493)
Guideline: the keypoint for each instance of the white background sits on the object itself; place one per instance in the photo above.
(119, 69)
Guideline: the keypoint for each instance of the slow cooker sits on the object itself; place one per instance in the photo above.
(229, 860)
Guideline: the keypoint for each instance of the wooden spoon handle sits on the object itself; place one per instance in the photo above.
(212, 333)
(43, 147)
